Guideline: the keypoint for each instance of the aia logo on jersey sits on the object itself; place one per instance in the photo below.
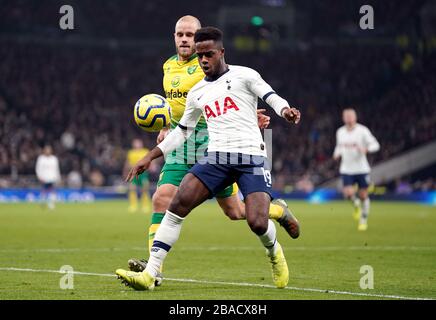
(219, 110)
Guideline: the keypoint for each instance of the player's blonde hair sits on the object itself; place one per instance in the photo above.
(189, 19)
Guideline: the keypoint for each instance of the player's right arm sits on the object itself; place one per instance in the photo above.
(337, 152)
(174, 139)
(38, 168)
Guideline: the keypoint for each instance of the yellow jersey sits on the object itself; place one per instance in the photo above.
(134, 155)
(179, 77)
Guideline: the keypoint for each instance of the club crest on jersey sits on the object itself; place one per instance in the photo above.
(228, 104)
(192, 69)
(175, 82)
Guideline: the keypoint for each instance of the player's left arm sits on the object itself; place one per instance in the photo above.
(174, 139)
(371, 143)
(262, 119)
(264, 91)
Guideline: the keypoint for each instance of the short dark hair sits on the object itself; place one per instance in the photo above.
(208, 33)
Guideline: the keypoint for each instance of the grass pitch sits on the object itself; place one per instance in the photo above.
(216, 258)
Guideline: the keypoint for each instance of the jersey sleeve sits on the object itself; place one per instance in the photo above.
(184, 129)
(38, 167)
(337, 152)
(259, 86)
(370, 141)
(192, 114)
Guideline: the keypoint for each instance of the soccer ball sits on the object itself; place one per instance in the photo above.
(152, 113)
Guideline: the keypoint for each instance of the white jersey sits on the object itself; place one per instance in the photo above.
(348, 142)
(229, 106)
(47, 169)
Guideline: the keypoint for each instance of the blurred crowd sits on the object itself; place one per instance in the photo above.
(80, 101)
(79, 98)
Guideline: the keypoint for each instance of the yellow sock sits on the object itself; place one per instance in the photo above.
(156, 219)
(145, 199)
(151, 233)
(275, 211)
(133, 200)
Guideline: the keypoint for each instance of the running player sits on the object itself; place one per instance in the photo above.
(227, 98)
(142, 182)
(181, 72)
(353, 142)
(48, 173)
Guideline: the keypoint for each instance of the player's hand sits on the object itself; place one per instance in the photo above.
(162, 135)
(138, 168)
(262, 120)
(291, 115)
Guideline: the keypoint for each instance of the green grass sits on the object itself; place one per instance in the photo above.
(400, 245)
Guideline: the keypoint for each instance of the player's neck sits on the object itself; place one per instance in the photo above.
(224, 68)
(351, 126)
(185, 59)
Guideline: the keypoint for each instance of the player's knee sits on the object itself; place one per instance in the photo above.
(234, 213)
(160, 201)
(348, 193)
(181, 205)
(258, 225)
(363, 194)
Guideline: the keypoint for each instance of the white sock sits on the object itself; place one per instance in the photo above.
(51, 199)
(269, 239)
(166, 236)
(355, 200)
(365, 211)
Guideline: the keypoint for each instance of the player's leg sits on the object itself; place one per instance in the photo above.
(133, 195)
(349, 193)
(167, 186)
(255, 184)
(145, 195)
(161, 200)
(234, 208)
(257, 205)
(230, 203)
(43, 195)
(192, 192)
(50, 195)
(363, 184)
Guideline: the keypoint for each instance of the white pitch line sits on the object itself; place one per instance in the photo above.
(222, 248)
(240, 284)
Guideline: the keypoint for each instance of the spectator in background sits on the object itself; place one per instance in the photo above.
(96, 178)
(74, 179)
(48, 173)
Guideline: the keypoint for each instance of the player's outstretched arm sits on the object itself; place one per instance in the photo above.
(174, 139)
(291, 115)
(143, 164)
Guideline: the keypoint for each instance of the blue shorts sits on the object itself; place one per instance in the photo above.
(47, 186)
(362, 180)
(220, 170)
